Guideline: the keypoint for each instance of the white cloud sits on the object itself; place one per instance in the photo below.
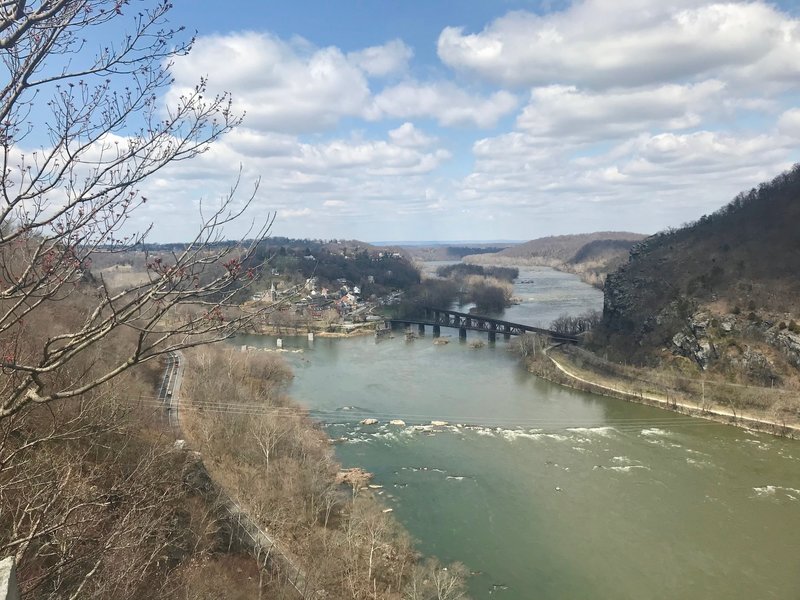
(444, 101)
(294, 213)
(283, 87)
(599, 43)
(636, 118)
(408, 135)
(306, 183)
(293, 87)
(380, 61)
(661, 174)
(565, 111)
(789, 123)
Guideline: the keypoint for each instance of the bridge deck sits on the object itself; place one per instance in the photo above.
(458, 320)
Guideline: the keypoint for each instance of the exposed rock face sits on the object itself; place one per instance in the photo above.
(695, 345)
(788, 342)
(757, 366)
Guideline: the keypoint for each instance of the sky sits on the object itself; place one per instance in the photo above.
(479, 120)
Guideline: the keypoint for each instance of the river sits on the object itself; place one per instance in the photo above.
(545, 492)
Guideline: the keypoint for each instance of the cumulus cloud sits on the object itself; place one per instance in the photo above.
(622, 118)
(293, 87)
(444, 101)
(408, 135)
(305, 182)
(281, 86)
(657, 173)
(565, 111)
(380, 61)
(600, 44)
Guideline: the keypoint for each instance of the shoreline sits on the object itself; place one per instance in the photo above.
(366, 329)
(720, 415)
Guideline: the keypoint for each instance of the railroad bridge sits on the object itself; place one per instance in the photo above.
(437, 318)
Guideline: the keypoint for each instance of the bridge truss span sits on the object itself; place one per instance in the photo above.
(438, 317)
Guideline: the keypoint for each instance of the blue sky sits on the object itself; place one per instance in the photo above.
(486, 120)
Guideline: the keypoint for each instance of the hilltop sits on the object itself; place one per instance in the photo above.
(720, 294)
(450, 251)
(589, 255)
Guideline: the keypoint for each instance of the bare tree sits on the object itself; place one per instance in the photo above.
(79, 135)
(69, 199)
(574, 325)
(431, 581)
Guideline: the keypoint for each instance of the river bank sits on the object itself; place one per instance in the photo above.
(593, 274)
(319, 330)
(581, 377)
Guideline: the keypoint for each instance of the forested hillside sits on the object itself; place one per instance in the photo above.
(589, 255)
(723, 291)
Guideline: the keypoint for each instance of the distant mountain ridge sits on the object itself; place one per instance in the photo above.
(590, 255)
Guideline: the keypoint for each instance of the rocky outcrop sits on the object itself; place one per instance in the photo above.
(355, 477)
(695, 343)
(786, 341)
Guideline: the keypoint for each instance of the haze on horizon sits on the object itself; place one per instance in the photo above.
(510, 120)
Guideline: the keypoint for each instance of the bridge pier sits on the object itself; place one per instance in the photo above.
(437, 331)
(462, 333)
(421, 329)
(492, 337)
(506, 332)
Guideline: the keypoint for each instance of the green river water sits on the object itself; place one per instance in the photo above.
(545, 492)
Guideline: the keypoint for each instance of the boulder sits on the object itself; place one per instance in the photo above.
(369, 421)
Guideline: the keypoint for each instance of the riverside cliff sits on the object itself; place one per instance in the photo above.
(721, 295)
